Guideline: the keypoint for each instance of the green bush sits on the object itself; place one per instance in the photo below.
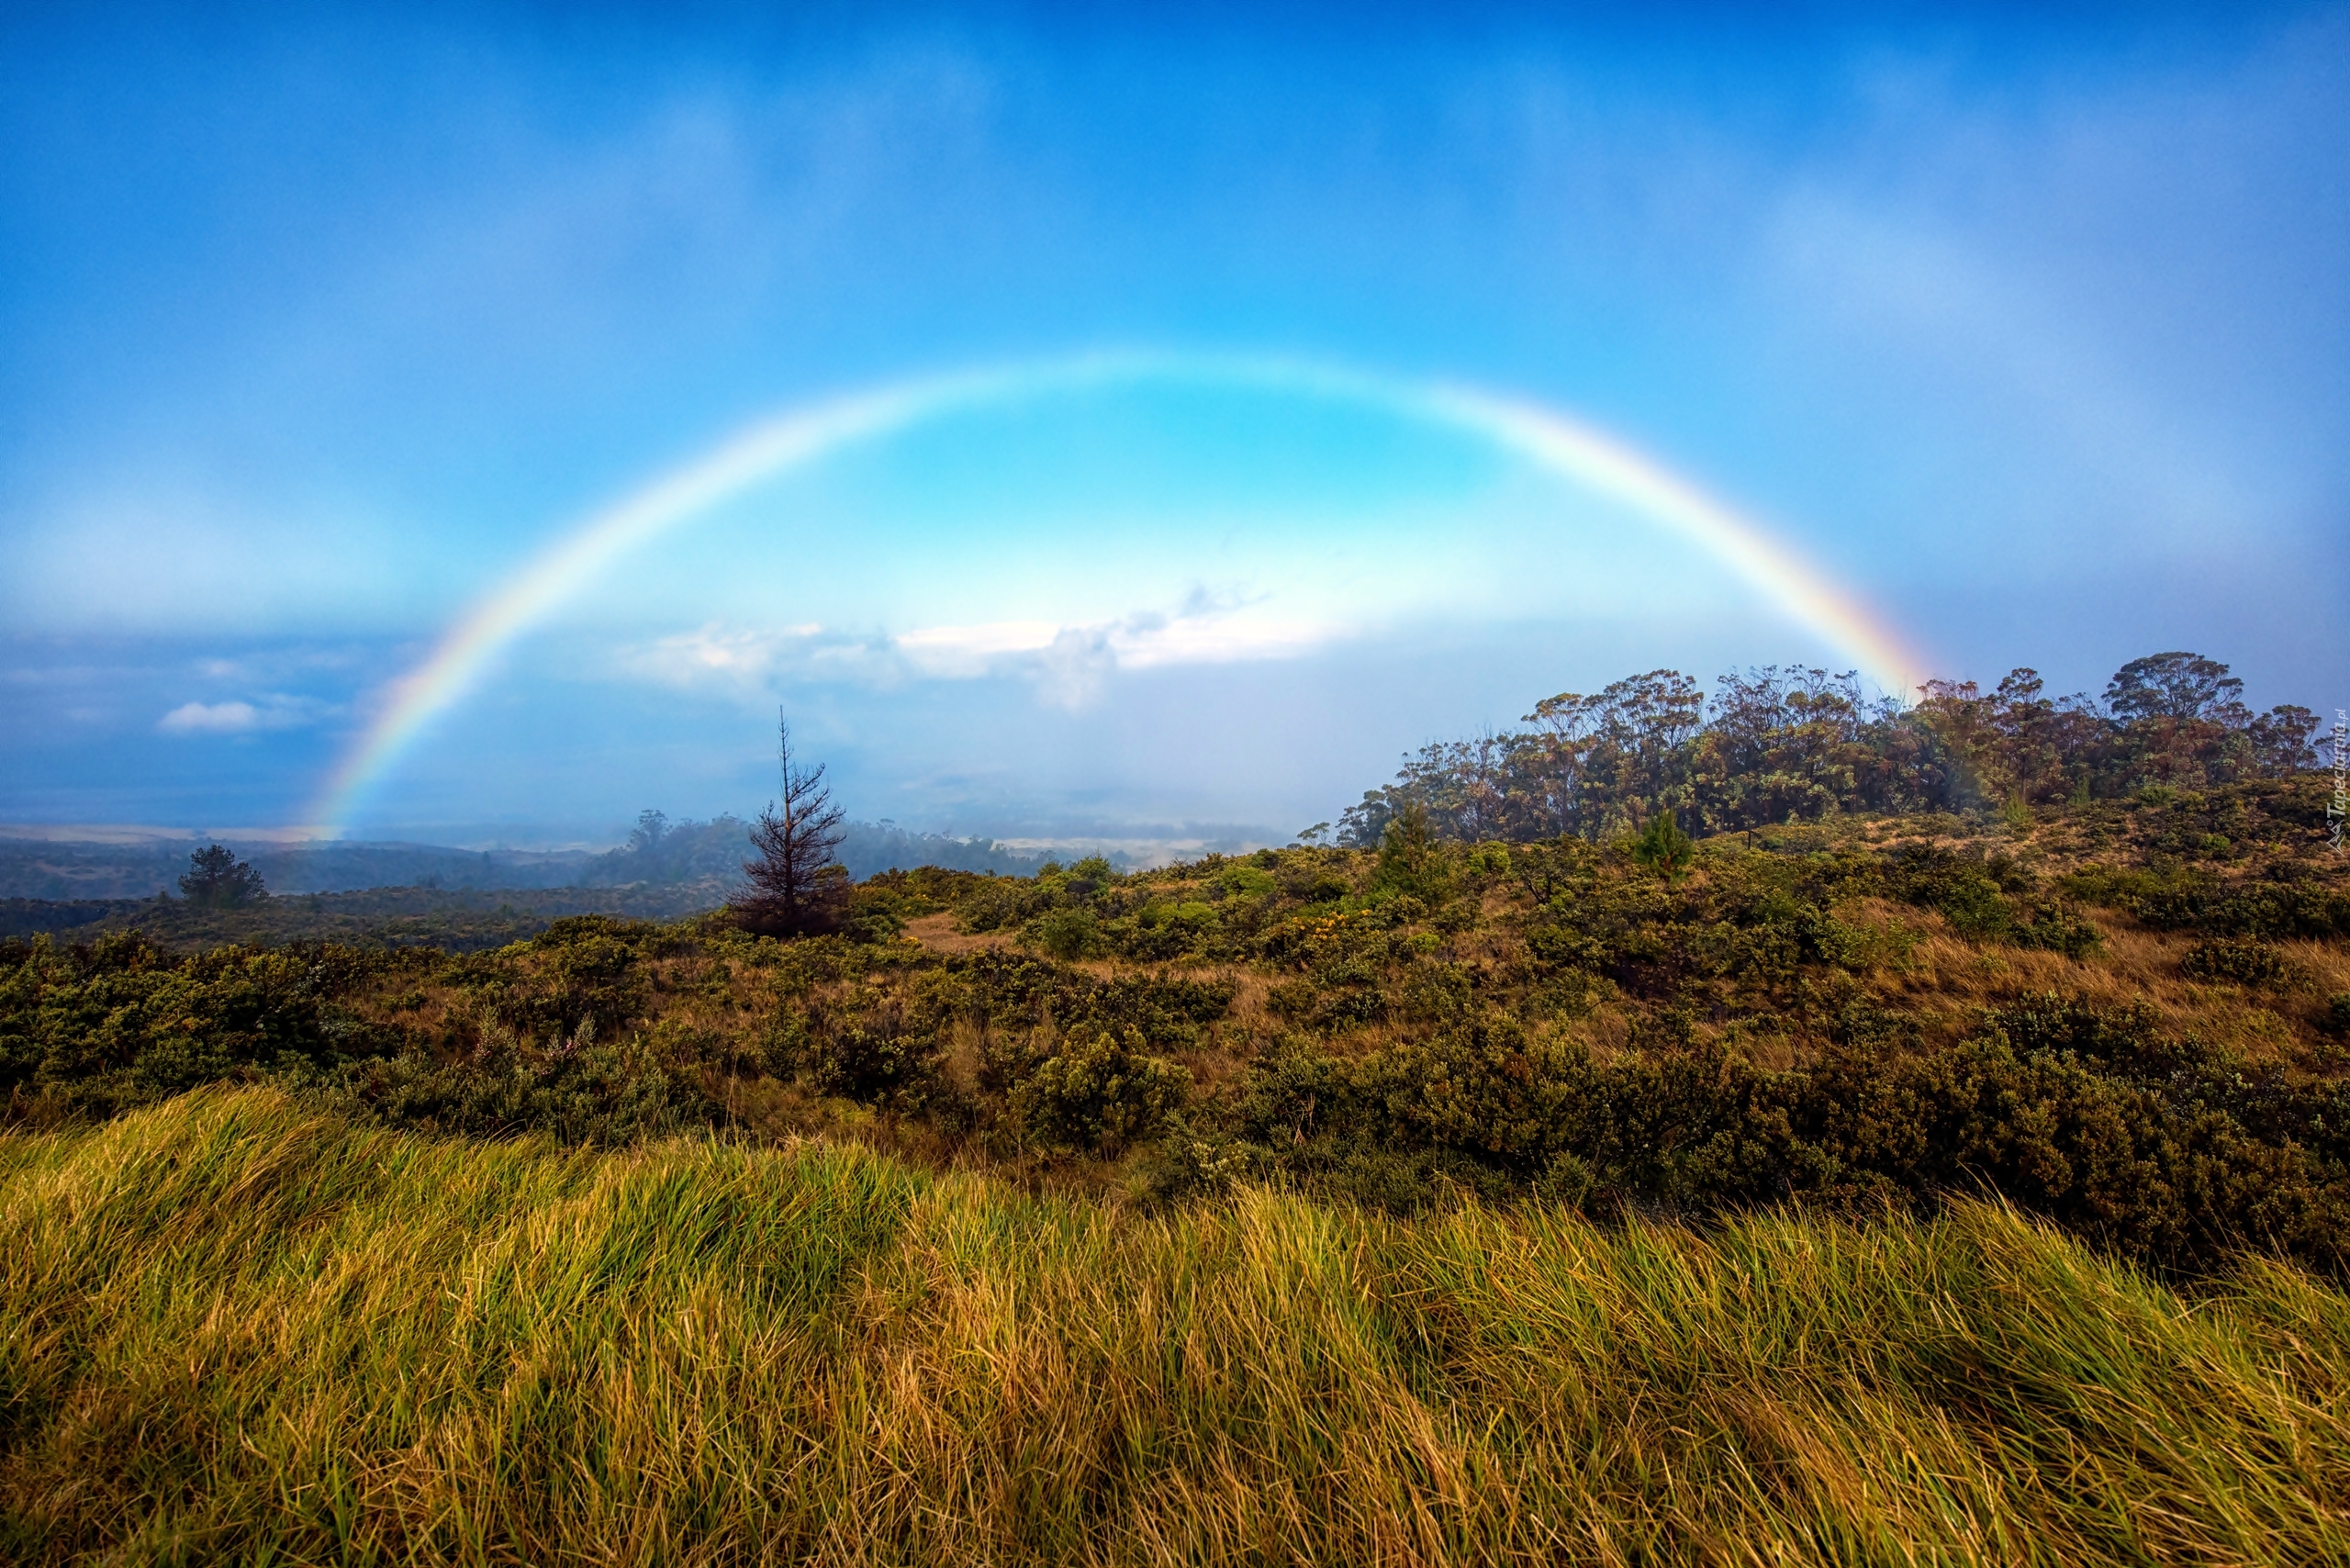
(1292, 999)
(1100, 1091)
(1310, 877)
(1664, 847)
(1483, 1088)
(2246, 961)
(1410, 862)
(1159, 931)
(875, 1066)
(1194, 1162)
(2158, 1148)
(880, 1047)
(118, 1023)
(1171, 1011)
(584, 975)
(1558, 945)
(1964, 890)
(2191, 899)
(582, 1090)
(1071, 934)
(1246, 879)
(2054, 927)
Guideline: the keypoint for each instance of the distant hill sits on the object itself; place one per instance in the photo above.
(461, 920)
(701, 857)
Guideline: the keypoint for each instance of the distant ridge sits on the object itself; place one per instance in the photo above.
(116, 862)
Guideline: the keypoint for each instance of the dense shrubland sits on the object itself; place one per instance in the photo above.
(2095, 1013)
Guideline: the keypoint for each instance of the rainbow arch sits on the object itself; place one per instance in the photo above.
(1550, 438)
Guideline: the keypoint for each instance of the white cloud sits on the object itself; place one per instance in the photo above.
(1071, 671)
(1069, 662)
(237, 718)
(210, 719)
(1210, 638)
(716, 655)
(962, 652)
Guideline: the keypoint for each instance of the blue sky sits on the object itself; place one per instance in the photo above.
(2034, 335)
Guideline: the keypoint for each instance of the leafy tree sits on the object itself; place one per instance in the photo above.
(2280, 740)
(216, 880)
(652, 826)
(1409, 860)
(2184, 721)
(798, 887)
(2016, 745)
(2175, 686)
(1792, 745)
(1664, 847)
(1362, 825)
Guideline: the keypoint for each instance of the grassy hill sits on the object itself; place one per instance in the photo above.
(1918, 1188)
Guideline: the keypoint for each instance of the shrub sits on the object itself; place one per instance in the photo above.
(2126, 1037)
(2337, 1013)
(1194, 1162)
(1338, 1011)
(1100, 1091)
(1162, 931)
(1071, 934)
(2246, 961)
(2191, 899)
(1561, 947)
(583, 1090)
(1663, 848)
(1311, 881)
(993, 904)
(1964, 890)
(2053, 926)
(1247, 879)
(1292, 999)
(1482, 1088)
(1410, 862)
(582, 975)
(877, 1065)
(879, 1044)
(786, 1046)
(1169, 1011)
(874, 915)
(2162, 1149)
(118, 1023)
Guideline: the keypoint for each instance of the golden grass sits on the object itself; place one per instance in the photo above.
(1947, 982)
(234, 1330)
(941, 934)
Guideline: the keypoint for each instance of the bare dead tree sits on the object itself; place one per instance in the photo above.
(797, 888)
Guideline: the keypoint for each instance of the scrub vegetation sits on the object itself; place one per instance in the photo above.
(1937, 1185)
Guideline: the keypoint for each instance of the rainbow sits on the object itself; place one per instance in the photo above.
(1551, 440)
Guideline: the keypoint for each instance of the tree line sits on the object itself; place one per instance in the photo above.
(1779, 745)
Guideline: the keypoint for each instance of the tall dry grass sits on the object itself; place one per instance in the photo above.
(233, 1330)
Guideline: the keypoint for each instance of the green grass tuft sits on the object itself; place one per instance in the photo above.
(235, 1328)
